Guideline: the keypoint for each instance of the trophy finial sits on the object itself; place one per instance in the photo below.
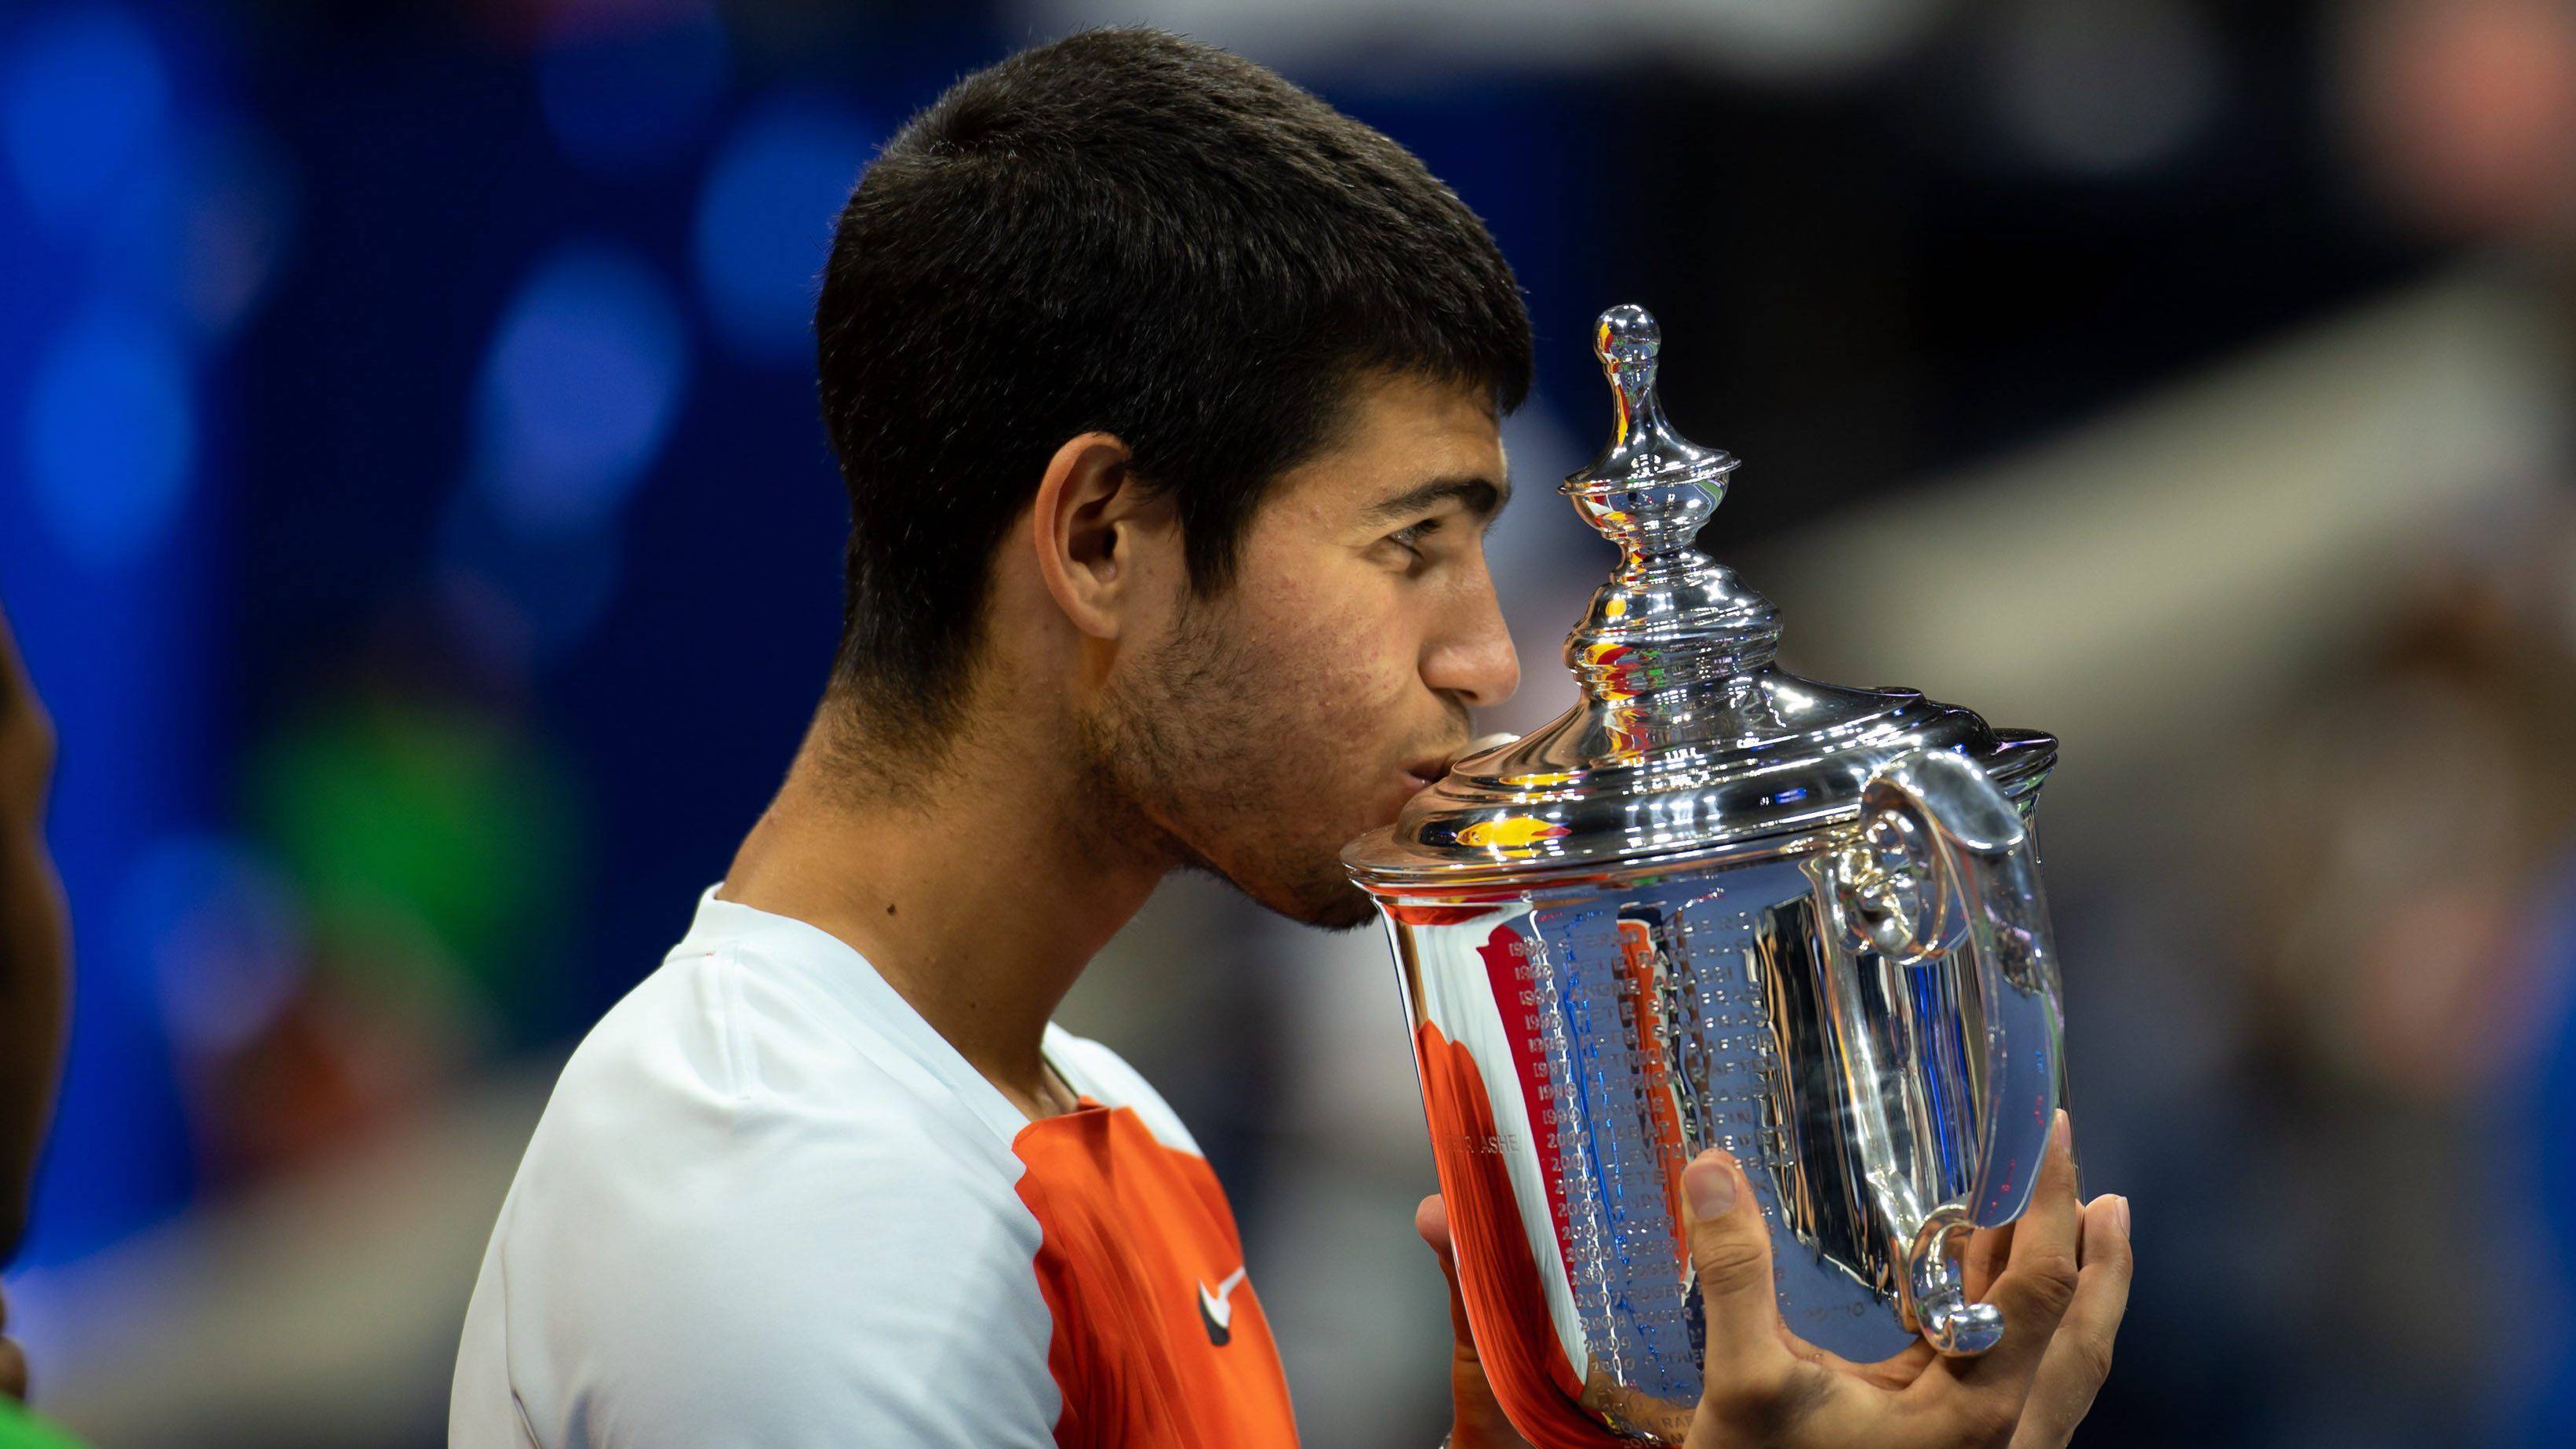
(1626, 340)
(1669, 618)
(1627, 335)
(1651, 488)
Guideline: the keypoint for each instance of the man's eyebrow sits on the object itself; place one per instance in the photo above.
(1481, 496)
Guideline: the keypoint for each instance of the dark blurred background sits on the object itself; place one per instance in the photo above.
(413, 509)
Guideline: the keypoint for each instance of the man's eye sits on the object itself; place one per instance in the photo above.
(1413, 537)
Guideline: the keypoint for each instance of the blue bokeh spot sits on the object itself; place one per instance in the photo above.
(221, 931)
(623, 98)
(579, 390)
(111, 437)
(84, 102)
(765, 222)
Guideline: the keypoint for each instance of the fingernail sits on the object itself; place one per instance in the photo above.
(1709, 1183)
(2061, 1133)
(2120, 1210)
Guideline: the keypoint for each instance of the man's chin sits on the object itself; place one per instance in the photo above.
(1326, 903)
(1348, 910)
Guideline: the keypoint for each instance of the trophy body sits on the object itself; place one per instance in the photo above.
(1717, 905)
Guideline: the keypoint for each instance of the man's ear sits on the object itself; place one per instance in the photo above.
(1092, 524)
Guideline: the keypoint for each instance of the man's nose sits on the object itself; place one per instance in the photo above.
(1474, 658)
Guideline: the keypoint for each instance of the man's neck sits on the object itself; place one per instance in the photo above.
(976, 896)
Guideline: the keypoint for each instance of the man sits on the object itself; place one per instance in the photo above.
(35, 990)
(1166, 399)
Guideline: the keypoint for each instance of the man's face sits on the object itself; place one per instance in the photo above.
(1264, 729)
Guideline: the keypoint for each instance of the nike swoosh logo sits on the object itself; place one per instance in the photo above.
(1216, 1310)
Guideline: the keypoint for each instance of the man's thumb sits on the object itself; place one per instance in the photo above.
(1431, 1222)
(1731, 1249)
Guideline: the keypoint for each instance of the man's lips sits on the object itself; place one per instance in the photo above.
(1431, 769)
(1428, 771)
(1424, 773)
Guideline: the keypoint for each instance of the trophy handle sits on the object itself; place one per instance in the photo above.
(1946, 861)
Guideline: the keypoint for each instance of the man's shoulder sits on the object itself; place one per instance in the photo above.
(727, 1063)
(738, 1208)
(733, 1128)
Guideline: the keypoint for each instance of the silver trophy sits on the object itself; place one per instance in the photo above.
(1715, 904)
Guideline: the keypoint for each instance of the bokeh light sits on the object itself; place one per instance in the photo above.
(110, 436)
(764, 224)
(2104, 87)
(201, 227)
(223, 931)
(84, 101)
(627, 87)
(231, 222)
(428, 841)
(578, 391)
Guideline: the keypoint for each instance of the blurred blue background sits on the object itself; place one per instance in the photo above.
(413, 510)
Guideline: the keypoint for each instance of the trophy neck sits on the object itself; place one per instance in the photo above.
(1671, 622)
(1687, 736)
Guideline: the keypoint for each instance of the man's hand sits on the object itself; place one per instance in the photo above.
(2060, 1274)
(1479, 1422)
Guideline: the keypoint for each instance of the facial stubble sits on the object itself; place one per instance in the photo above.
(1191, 755)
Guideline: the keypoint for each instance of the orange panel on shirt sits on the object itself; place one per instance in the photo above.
(1138, 1241)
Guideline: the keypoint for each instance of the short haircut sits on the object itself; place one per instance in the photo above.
(1127, 232)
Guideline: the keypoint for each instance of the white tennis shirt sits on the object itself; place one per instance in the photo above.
(768, 1204)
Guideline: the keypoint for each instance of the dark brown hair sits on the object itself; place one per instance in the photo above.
(1128, 232)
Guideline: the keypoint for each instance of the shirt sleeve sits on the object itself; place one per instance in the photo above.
(761, 1274)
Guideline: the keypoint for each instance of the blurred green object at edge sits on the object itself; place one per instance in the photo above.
(22, 1430)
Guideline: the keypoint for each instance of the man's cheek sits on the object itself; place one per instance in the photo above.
(1361, 717)
(1308, 686)
(1377, 648)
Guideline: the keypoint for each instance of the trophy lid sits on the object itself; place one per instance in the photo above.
(1687, 739)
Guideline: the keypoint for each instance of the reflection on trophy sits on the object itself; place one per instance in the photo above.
(1717, 905)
